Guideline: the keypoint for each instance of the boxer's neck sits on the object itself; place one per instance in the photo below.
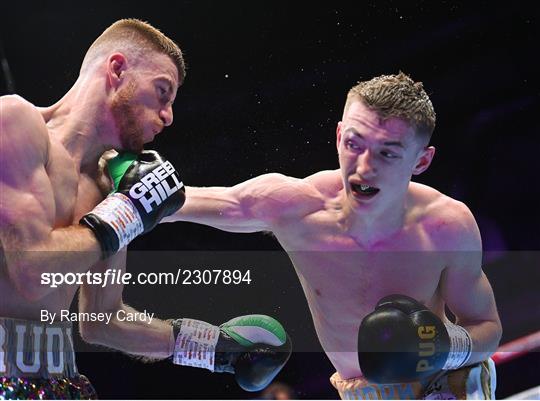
(369, 227)
(80, 121)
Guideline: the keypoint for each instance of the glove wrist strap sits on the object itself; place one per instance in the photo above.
(118, 211)
(460, 347)
(195, 343)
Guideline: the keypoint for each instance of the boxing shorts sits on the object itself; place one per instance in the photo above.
(37, 361)
(474, 382)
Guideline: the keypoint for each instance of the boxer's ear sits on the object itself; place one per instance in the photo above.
(338, 134)
(116, 67)
(423, 160)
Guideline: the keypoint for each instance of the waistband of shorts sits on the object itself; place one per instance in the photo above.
(36, 349)
(359, 388)
(477, 381)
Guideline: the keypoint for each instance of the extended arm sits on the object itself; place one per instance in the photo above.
(254, 205)
(254, 348)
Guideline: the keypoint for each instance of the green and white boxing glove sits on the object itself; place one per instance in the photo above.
(146, 188)
(253, 347)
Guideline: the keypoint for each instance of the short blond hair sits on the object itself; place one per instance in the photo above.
(135, 37)
(397, 96)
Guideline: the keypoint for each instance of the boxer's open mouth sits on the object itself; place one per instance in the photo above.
(364, 189)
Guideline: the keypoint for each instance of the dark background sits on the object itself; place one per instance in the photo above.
(265, 88)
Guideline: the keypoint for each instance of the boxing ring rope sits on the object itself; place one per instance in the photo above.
(516, 348)
(513, 350)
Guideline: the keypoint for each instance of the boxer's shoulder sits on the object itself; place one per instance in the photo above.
(24, 154)
(327, 182)
(290, 201)
(23, 129)
(449, 222)
(281, 197)
(17, 110)
(15, 102)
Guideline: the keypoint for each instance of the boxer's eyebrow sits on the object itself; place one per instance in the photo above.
(394, 143)
(387, 143)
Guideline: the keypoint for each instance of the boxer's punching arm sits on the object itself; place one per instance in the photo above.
(466, 289)
(149, 340)
(254, 348)
(31, 243)
(254, 205)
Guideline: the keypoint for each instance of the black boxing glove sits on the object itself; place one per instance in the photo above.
(253, 347)
(147, 188)
(403, 341)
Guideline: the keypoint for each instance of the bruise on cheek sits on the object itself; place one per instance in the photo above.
(318, 292)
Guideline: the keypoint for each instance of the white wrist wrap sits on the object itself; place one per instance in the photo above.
(460, 347)
(118, 211)
(196, 344)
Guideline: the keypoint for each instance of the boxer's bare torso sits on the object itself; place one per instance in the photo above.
(343, 277)
(51, 190)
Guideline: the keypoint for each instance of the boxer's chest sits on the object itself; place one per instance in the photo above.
(343, 286)
(343, 280)
(74, 194)
(334, 263)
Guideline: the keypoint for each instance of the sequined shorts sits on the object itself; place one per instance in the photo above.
(21, 388)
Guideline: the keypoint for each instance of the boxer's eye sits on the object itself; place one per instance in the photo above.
(351, 145)
(389, 155)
